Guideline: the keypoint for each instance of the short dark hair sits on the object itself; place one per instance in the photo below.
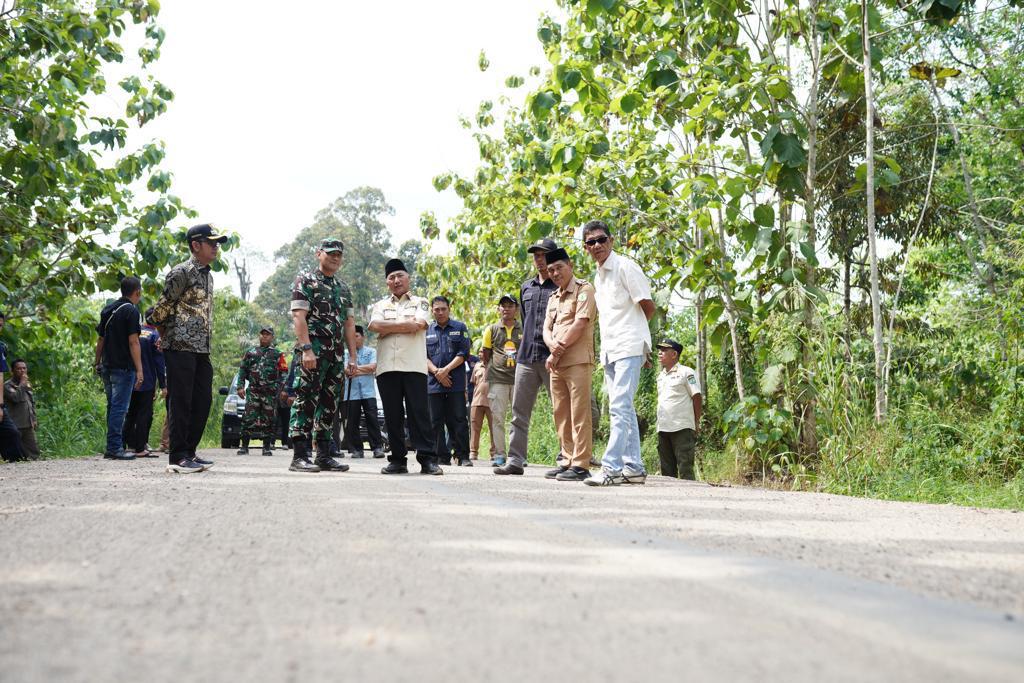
(19, 360)
(591, 226)
(149, 312)
(440, 298)
(130, 285)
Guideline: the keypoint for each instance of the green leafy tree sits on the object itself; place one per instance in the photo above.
(77, 209)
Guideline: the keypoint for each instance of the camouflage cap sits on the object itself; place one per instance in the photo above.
(330, 244)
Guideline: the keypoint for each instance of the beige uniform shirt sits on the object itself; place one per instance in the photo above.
(565, 307)
(402, 352)
(676, 389)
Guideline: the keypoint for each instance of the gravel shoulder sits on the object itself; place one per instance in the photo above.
(249, 572)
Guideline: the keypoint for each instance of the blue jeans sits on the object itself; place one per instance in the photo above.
(118, 385)
(621, 378)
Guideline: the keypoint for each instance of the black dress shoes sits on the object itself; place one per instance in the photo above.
(431, 468)
(508, 468)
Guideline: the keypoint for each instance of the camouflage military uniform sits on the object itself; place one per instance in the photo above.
(264, 368)
(317, 392)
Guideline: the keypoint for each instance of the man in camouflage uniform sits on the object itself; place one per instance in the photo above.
(322, 315)
(264, 368)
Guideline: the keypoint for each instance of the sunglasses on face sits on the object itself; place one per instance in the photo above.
(596, 240)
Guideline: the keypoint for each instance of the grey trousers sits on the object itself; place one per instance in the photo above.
(530, 377)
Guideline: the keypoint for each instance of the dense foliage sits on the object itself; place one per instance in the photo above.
(823, 189)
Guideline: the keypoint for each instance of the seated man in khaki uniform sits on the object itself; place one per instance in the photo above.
(569, 334)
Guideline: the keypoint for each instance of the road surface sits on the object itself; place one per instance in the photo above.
(119, 571)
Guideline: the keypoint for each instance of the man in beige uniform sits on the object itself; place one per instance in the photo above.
(400, 321)
(569, 334)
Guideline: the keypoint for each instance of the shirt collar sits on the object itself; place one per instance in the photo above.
(572, 286)
(609, 262)
(194, 262)
(398, 299)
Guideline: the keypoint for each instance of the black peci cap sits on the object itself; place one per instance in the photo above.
(394, 265)
(556, 255)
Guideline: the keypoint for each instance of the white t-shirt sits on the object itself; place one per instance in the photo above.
(402, 352)
(676, 389)
(620, 286)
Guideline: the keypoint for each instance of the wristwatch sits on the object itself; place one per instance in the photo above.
(306, 347)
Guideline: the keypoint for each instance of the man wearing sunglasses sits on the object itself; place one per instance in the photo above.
(624, 307)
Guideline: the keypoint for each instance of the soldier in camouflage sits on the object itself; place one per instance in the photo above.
(322, 315)
(264, 368)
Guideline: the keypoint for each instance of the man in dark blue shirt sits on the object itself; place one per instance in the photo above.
(447, 349)
(139, 419)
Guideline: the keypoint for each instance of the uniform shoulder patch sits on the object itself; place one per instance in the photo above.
(583, 296)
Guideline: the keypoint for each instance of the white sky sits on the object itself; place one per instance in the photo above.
(282, 107)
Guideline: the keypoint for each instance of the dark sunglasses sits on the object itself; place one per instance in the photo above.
(596, 240)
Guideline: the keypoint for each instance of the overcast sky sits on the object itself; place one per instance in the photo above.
(282, 107)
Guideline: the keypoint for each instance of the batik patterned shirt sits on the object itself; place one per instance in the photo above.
(185, 309)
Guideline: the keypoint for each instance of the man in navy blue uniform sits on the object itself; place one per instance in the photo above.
(447, 349)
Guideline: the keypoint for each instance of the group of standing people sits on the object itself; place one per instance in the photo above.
(549, 342)
(545, 338)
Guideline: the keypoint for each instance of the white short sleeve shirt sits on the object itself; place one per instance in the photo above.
(402, 352)
(676, 389)
(620, 286)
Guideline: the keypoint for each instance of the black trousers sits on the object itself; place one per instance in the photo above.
(357, 410)
(10, 439)
(448, 411)
(138, 420)
(403, 395)
(189, 397)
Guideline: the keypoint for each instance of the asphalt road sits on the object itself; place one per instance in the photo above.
(119, 571)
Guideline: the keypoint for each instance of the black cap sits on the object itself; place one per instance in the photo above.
(670, 344)
(393, 265)
(267, 328)
(507, 297)
(546, 244)
(556, 255)
(330, 244)
(204, 232)
(359, 329)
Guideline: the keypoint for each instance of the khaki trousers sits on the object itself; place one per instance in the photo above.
(570, 394)
(500, 396)
(476, 424)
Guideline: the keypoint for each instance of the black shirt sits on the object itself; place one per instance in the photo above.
(118, 321)
(533, 297)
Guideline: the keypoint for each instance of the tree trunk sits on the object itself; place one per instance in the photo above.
(876, 302)
(806, 396)
(702, 337)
